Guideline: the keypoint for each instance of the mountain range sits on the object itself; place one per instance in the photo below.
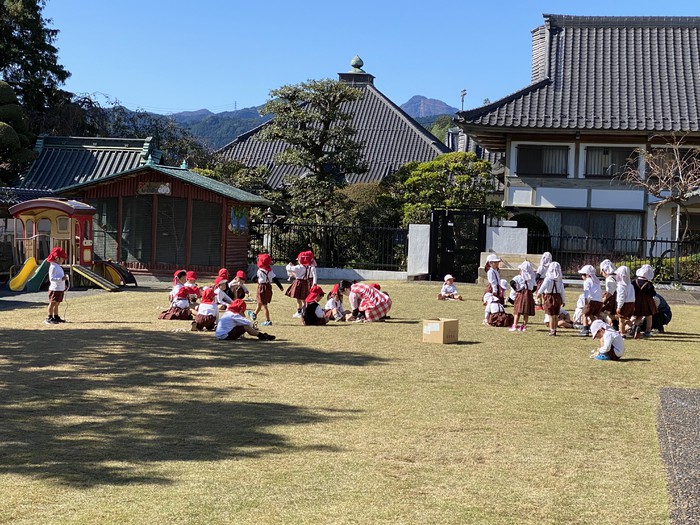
(218, 129)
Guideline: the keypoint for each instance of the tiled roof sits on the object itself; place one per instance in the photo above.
(184, 175)
(603, 73)
(11, 196)
(391, 138)
(67, 161)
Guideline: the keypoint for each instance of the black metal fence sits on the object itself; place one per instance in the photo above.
(335, 246)
(671, 260)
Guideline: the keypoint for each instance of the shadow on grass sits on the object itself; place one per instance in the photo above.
(91, 407)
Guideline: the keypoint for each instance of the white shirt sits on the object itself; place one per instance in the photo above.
(56, 277)
(493, 308)
(625, 294)
(448, 289)
(207, 309)
(591, 289)
(494, 280)
(181, 303)
(173, 292)
(221, 297)
(265, 277)
(239, 284)
(610, 284)
(612, 340)
(334, 304)
(550, 286)
(228, 321)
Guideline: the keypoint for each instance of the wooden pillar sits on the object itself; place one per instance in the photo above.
(188, 231)
(120, 227)
(154, 228)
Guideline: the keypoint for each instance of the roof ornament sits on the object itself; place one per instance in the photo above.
(184, 165)
(149, 161)
(357, 64)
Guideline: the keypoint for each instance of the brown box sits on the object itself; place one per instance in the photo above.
(440, 330)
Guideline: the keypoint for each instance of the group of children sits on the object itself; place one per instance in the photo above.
(622, 307)
(203, 307)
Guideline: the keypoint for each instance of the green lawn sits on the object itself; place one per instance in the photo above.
(116, 417)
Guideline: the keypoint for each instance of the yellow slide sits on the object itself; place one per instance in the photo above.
(18, 281)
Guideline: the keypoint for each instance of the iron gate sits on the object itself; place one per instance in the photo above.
(457, 238)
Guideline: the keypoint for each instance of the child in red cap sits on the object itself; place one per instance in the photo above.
(232, 324)
(266, 276)
(179, 307)
(311, 313)
(237, 287)
(191, 283)
(206, 312)
(179, 279)
(304, 278)
(57, 288)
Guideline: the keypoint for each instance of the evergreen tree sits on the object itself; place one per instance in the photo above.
(15, 138)
(28, 58)
(312, 118)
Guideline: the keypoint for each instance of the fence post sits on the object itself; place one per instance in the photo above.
(676, 263)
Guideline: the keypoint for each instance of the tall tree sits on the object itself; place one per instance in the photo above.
(313, 119)
(451, 180)
(15, 138)
(28, 58)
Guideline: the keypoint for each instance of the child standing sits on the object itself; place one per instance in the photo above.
(491, 267)
(304, 278)
(625, 298)
(206, 312)
(607, 268)
(266, 276)
(552, 292)
(524, 303)
(449, 290)
(237, 286)
(57, 286)
(612, 345)
(232, 324)
(644, 305)
(593, 297)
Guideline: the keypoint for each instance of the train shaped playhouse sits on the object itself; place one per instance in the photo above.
(41, 224)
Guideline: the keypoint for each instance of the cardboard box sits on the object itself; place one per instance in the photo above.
(440, 330)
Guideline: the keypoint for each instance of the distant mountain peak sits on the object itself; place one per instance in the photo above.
(420, 106)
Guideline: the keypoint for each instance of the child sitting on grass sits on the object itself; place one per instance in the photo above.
(612, 345)
(449, 290)
(205, 319)
(495, 313)
(232, 324)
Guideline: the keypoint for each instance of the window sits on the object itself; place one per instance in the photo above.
(608, 162)
(104, 239)
(543, 160)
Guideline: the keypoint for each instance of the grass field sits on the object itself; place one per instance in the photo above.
(116, 417)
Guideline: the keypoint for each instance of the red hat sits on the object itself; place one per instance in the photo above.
(305, 257)
(208, 295)
(178, 273)
(220, 280)
(223, 273)
(335, 289)
(240, 274)
(237, 306)
(265, 261)
(375, 286)
(314, 293)
(183, 292)
(191, 276)
(55, 253)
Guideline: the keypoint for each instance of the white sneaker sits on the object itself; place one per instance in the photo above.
(297, 315)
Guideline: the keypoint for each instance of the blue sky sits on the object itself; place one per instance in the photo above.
(171, 56)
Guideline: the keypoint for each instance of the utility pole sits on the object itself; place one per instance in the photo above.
(463, 94)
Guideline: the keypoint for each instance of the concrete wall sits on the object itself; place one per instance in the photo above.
(506, 239)
(418, 249)
(337, 274)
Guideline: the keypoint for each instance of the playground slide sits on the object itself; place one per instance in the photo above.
(105, 270)
(38, 277)
(95, 279)
(124, 275)
(18, 281)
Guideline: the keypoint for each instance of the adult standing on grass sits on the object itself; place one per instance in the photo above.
(552, 293)
(57, 286)
(368, 304)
